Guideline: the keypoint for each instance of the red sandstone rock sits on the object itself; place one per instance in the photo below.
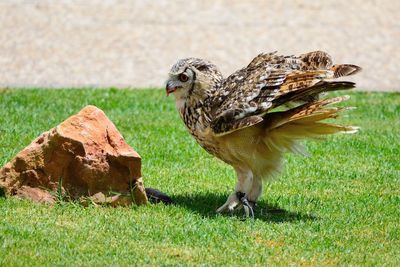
(84, 156)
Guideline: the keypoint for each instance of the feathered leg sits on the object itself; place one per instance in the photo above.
(255, 191)
(243, 185)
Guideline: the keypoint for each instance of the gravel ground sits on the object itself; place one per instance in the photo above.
(104, 43)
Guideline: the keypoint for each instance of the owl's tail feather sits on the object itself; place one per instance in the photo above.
(284, 129)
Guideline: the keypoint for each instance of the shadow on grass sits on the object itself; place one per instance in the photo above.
(206, 204)
(2, 192)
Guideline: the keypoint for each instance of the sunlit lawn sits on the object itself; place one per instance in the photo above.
(340, 206)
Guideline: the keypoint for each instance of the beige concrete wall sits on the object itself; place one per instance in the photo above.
(133, 43)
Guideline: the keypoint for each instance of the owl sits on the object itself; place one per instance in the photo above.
(253, 117)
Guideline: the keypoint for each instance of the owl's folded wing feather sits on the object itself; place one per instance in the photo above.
(270, 81)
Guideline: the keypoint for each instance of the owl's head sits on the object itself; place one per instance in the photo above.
(192, 78)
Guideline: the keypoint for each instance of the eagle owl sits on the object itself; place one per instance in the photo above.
(236, 118)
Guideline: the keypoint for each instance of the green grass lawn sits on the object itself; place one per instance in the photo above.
(338, 207)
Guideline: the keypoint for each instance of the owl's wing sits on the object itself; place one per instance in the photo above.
(271, 80)
(309, 61)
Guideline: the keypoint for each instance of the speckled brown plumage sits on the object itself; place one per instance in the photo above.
(235, 118)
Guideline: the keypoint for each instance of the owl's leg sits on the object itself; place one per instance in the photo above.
(255, 191)
(243, 186)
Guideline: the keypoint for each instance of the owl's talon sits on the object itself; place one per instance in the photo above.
(248, 205)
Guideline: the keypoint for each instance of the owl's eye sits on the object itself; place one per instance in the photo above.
(183, 77)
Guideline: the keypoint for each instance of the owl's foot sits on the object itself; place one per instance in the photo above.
(231, 204)
(248, 205)
(236, 201)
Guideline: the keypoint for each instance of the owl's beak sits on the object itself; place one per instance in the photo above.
(170, 88)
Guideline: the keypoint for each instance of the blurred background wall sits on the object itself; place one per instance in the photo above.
(102, 43)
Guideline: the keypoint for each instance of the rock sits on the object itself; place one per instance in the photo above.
(36, 194)
(83, 156)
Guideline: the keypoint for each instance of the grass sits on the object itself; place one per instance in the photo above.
(338, 207)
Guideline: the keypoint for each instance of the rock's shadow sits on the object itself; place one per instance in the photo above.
(206, 204)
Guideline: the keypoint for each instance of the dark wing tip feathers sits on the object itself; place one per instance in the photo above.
(345, 70)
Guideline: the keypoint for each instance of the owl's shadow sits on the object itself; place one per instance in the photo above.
(206, 204)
